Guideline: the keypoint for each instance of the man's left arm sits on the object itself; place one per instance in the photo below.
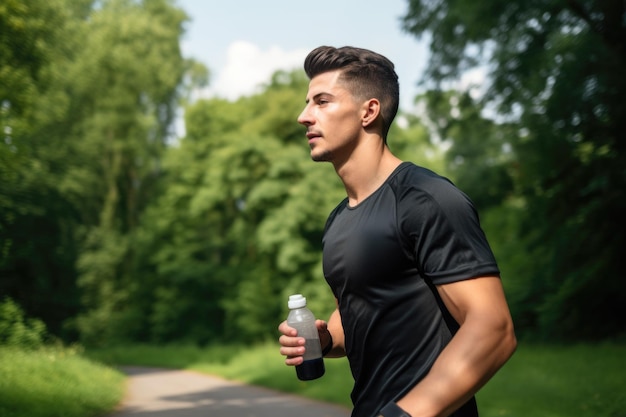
(484, 342)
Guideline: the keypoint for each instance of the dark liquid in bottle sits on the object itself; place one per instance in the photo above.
(311, 369)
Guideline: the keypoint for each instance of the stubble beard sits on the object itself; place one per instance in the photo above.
(322, 155)
(326, 156)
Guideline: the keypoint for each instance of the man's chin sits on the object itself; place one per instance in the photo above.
(321, 157)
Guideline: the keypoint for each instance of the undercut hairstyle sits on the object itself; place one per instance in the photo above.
(365, 73)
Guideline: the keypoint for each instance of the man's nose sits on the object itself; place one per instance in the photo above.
(304, 118)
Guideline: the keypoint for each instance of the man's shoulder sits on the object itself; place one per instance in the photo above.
(419, 178)
(416, 186)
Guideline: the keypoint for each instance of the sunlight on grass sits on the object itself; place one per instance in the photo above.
(55, 382)
(551, 381)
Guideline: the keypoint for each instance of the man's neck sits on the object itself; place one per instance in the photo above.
(366, 170)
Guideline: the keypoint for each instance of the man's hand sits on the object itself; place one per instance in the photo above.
(292, 346)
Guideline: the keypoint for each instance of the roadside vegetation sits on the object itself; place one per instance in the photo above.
(56, 382)
(540, 380)
(42, 378)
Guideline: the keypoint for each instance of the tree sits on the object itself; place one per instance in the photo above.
(125, 87)
(91, 92)
(555, 69)
(37, 249)
(478, 151)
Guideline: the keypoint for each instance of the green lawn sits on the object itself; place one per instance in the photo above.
(542, 381)
(56, 382)
(539, 381)
(549, 381)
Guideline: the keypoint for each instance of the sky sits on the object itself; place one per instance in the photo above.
(243, 42)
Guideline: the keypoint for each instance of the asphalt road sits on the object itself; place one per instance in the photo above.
(171, 393)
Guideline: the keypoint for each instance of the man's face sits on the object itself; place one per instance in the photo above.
(332, 117)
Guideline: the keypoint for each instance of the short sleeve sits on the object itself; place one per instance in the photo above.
(443, 232)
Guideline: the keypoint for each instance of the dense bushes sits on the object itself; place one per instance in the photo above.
(17, 330)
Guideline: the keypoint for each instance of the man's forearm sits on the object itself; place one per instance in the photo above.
(473, 355)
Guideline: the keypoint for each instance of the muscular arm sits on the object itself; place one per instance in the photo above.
(483, 343)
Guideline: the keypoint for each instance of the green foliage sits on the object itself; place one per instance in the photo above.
(479, 157)
(56, 382)
(556, 75)
(81, 153)
(18, 331)
(175, 356)
(36, 222)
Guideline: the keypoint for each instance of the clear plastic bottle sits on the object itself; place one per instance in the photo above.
(303, 320)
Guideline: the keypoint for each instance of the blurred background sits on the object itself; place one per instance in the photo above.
(156, 188)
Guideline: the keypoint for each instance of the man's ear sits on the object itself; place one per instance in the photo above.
(371, 111)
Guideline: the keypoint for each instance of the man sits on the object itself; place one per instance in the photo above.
(421, 314)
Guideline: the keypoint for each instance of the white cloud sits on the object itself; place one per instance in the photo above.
(474, 81)
(248, 66)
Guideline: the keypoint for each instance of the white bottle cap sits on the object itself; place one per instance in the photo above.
(296, 301)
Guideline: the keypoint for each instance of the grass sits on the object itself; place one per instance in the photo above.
(546, 381)
(56, 382)
(556, 381)
(540, 380)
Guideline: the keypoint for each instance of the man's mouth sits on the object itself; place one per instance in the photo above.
(313, 135)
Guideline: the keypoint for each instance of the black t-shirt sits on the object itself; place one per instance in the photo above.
(382, 259)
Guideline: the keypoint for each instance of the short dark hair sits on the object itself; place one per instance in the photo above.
(366, 73)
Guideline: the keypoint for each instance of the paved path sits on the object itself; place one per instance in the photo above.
(170, 393)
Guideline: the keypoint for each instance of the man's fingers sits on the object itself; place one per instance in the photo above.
(286, 330)
(291, 346)
(295, 361)
(288, 341)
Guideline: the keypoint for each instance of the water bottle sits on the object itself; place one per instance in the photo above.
(301, 319)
